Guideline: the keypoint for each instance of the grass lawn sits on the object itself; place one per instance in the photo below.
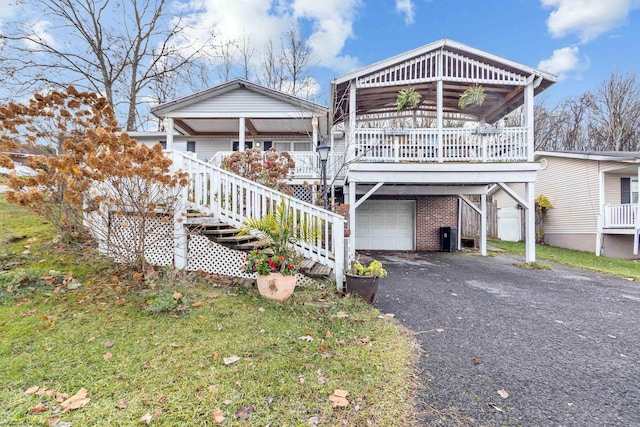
(629, 269)
(184, 349)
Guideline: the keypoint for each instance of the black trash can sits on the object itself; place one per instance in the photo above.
(448, 239)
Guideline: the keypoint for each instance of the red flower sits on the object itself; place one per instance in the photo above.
(255, 268)
(257, 251)
(281, 258)
(290, 266)
(268, 163)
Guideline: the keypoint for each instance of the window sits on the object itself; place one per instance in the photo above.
(292, 146)
(163, 144)
(191, 146)
(628, 190)
(236, 144)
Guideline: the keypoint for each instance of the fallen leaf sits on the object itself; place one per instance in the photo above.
(261, 309)
(40, 407)
(503, 394)
(314, 421)
(231, 359)
(244, 413)
(475, 360)
(109, 344)
(218, 417)
(146, 418)
(52, 421)
(197, 304)
(328, 334)
(174, 345)
(32, 390)
(215, 356)
(338, 398)
(341, 315)
(107, 356)
(362, 341)
(227, 401)
(91, 339)
(41, 391)
(138, 277)
(122, 405)
(177, 295)
(76, 401)
(213, 387)
(307, 338)
(439, 330)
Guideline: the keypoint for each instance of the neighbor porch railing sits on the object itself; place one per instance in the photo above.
(232, 199)
(458, 145)
(621, 216)
(307, 163)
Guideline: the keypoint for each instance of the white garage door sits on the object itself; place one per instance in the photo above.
(385, 225)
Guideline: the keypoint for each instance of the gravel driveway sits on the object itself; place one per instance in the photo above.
(564, 344)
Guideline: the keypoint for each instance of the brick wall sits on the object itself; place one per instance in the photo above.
(432, 212)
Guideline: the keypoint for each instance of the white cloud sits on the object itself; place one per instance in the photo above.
(262, 21)
(39, 32)
(405, 7)
(586, 18)
(562, 61)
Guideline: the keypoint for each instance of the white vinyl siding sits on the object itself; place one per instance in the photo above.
(242, 102)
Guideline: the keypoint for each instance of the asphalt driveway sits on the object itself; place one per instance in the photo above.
(562, 345)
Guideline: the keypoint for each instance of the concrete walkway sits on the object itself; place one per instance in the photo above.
(505, 345)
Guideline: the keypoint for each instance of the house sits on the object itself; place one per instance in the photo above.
(408, 170)
(595, 200)
(399, 176)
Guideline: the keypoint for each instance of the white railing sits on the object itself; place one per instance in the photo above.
(307, 163)
(458, 145)
(232, 199)
(621, 216)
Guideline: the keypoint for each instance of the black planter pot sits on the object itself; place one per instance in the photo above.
(365, 286)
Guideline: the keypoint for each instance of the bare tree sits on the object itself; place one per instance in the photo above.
(614, 113)
(296, 58)
(271, 74)
(246, 53)
(109, 46)
(225, 54)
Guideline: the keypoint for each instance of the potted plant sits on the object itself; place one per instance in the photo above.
(407, 98)
(474, 96)
(363, 279)
(276, 266)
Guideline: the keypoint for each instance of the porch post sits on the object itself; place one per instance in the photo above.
(530, 220)
(483, 225)
(636, 233)
(351, 124)
(314, 132)
(241, 133)
(528, 118)
(168, 127)
(352, 220)
(439, 107)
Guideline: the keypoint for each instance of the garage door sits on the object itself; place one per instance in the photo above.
(385, 225)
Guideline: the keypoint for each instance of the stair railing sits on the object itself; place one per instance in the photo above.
(231, 198)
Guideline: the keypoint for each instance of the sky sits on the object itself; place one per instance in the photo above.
(581, 41)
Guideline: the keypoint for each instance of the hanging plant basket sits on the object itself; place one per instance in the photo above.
(407, 98)
(474, 96)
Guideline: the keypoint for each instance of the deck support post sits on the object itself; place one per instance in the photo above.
(530, 229)
(180, 240)
(528, 117)
(483, 224)
(352, 221)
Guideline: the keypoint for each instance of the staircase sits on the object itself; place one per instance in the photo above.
(227, 235)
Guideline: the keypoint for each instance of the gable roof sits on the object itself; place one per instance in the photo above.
(235, 84)
(456, 64)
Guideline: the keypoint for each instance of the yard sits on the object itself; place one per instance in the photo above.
(172, 348)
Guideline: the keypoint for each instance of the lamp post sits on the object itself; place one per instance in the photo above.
(323, 149)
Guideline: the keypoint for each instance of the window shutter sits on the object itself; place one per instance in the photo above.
(625, 190)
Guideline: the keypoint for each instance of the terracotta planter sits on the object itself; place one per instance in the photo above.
(276, 286)
(365, 286)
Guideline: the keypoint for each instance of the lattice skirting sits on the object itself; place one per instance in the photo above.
(203, 254)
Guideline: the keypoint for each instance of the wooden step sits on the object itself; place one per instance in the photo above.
(236, 239)
(210, 225)
(249, 246)
(221, 232)
(306, 265)
(319, 271)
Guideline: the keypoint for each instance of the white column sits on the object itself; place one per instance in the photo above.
(314, 131)
(483, 225)
(241, 133)
(351, 124)
(600, 223)
(168, 127)
(439, 117)
(528, 119)
(352, 221)
(530, 220)
(180, 240)
(636, 234)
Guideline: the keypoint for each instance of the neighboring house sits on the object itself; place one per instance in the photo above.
(595, 200)
(401, 175)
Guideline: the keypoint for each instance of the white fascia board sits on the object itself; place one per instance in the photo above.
(245, 114)
(442, 177)
(587, 156)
